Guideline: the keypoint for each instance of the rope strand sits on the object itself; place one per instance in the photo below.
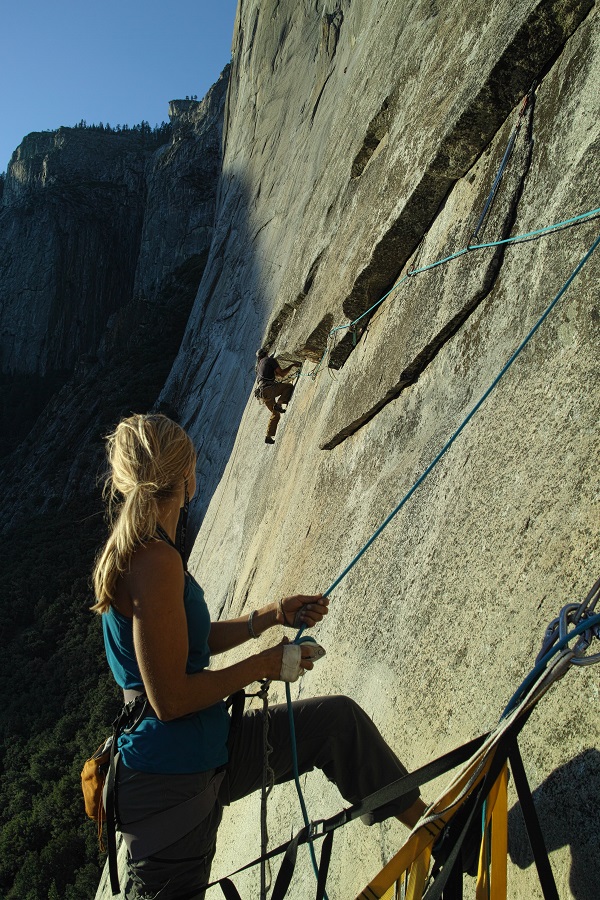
(579, 629)
(516, 239)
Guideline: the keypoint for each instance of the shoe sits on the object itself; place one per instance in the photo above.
(269, 440)
(278, 408)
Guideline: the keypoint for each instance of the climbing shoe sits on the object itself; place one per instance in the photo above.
(279, 408)
(269, 440)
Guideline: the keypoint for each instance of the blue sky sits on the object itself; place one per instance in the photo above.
(116, 61)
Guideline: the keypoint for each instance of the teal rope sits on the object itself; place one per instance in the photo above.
(409, 494)
(539, 668)
(518, 238)
(297, 780)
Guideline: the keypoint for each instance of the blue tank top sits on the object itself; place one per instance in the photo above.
(193, 743)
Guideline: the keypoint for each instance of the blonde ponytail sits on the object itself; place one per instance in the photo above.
(149, 457)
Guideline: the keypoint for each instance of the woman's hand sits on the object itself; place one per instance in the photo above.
(302, 609)
(271, 659)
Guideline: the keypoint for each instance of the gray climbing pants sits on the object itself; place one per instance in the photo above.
(333, 734)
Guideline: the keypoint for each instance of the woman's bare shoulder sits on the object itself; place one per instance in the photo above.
(154, 568)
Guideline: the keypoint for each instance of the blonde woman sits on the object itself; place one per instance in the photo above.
(184, 761)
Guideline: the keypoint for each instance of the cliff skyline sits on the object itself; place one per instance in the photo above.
(112, 64)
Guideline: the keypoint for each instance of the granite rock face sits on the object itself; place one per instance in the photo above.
(361, 142)
(103, 241)
(100, 234)
(181, 183)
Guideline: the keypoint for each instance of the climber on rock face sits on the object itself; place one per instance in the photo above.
(186, 757)
(272, 392)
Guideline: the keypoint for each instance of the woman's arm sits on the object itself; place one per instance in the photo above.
(156, 584)
(233, 632)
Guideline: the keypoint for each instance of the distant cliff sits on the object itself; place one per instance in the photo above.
(90, 222)
(70, 228)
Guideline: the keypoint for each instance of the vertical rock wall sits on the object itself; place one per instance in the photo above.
(181, 190)
(362, 140)
(103, 242)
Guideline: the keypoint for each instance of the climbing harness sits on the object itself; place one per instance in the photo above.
(149, 835)
(258, 390)
(270, 382)
(262, 382)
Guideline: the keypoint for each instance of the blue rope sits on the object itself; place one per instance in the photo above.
(503, 164)
(468, 418)
(539, 668)
(409, 494)
(496, 184)
(518, 238)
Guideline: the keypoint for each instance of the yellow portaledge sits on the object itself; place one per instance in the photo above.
(412, 860)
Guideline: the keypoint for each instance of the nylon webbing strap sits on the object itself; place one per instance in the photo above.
(229, 889)
(449, 879)
(421, 776)
(454, 885)
(532, 824)
(418, 875)
(286, 871)
(393, 791)
(324, 865)
(111, 835)
(491, 877)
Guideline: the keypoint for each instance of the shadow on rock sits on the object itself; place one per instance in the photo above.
(567, 807)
